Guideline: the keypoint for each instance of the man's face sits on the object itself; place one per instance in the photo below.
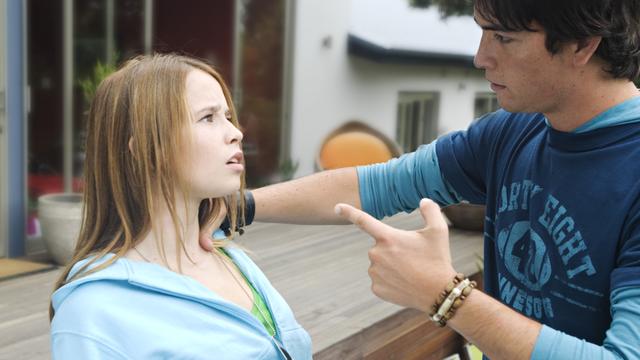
(525, 76)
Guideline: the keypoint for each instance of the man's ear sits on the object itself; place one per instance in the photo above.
(585, 50)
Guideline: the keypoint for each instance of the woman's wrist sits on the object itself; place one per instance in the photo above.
(241, 222)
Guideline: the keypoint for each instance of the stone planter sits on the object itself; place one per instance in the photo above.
(60, 217)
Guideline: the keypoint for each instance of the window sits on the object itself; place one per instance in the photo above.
(485, 103)
(417, 119)
(259, 91)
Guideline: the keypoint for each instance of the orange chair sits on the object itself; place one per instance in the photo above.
(355, 143)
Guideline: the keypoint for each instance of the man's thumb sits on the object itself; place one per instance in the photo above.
(431, 214)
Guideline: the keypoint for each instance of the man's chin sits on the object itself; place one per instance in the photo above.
(509, 106)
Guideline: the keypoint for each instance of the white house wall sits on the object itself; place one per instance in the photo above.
(331, 87)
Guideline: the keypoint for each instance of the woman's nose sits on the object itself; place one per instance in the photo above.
(234, 134)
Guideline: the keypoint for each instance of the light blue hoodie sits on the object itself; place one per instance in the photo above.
(136, 310)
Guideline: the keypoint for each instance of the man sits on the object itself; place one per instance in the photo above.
(557, 169)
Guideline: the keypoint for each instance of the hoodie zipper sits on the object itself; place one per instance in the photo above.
(278, 334)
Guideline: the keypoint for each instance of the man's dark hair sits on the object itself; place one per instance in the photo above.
(616, 21)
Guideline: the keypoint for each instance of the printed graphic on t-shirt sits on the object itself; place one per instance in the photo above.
(542, 251)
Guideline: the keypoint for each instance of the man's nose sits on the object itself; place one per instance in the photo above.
(484, 59)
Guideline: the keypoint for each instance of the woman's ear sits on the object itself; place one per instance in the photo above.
(131, 145)
(585, 50)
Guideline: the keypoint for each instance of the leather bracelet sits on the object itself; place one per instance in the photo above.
(249, 214)
(451, 299)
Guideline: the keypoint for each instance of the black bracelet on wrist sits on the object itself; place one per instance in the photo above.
(250, 208)
(249, 213)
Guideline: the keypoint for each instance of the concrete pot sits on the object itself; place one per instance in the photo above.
(60, 217)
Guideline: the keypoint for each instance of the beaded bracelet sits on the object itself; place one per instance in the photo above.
(451, 299)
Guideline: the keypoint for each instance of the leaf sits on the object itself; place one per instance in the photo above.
(91, 83)
(447, 8)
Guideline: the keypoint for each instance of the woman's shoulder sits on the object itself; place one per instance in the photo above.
(94, 313)
(94, 286)
(84, 296)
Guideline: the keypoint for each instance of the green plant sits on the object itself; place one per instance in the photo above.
(287, 169)
(90, 84)
(447, 7)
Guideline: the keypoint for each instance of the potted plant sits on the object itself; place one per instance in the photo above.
(60, 214)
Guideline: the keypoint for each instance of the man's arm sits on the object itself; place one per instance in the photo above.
(308, 200)
(382, 190)
(410, 268)
(499, 331)
(502, 333)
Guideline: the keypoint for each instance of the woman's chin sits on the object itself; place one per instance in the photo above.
(221, 193)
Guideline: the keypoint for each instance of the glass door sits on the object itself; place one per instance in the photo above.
(4, 224)
(71, 43)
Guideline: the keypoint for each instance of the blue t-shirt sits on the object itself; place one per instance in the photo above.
(563, 214)
(562, 242)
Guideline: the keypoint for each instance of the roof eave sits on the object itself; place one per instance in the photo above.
(357, 46)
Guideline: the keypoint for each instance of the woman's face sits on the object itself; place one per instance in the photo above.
(213, 164)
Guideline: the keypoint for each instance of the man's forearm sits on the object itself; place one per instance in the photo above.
(499, 331)
(308, 200)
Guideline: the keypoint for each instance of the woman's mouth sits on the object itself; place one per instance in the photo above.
(235, 162)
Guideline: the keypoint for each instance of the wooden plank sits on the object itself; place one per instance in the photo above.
(14, 267)
(407, 334)
(25, 295)
(32, 348)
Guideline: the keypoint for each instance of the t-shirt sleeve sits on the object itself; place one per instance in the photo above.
(622, 341)
(465, 157)
(627, 271)
(399, 184)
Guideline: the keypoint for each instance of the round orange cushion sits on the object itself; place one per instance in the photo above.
(352, 149)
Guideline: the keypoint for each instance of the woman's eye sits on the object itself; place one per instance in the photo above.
(208, 118)
(502, 39)
(227, 115)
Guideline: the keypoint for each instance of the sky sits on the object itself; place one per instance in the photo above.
(394, 24)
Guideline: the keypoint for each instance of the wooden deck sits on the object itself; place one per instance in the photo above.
(320, 270)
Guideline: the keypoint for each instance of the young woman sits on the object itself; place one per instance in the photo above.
(164, 161)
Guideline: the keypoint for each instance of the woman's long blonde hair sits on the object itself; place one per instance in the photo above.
(135, 131)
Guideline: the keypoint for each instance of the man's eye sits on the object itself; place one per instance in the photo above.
(502, 39)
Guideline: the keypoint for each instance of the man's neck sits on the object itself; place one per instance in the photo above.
(588, 101)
